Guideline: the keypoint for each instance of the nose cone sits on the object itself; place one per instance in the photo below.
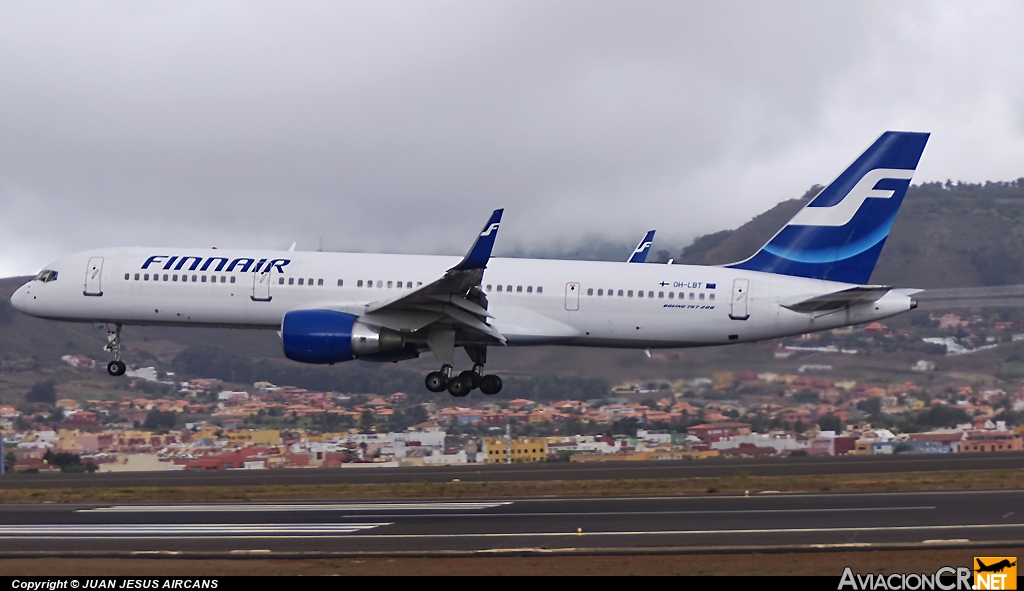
(18, 299)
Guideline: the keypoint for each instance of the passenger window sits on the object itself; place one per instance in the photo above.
(701, 296)
(650, 294)
(711, 297)
(280, 280)
(499, 289)
(691, 295)
(640, 294)
(222, 278)
(419, 283)
(380, 283)
(136, 276)
(661, 295)
(291, 281)
(540, 289)
(300, 281)
(193, 278)
(232, 279)
(671, 295)
(519, 289)
(611, 292)
(508, 288)
(359, 283)
(146, 276)
(341, 283)
(600, 292)
(590, 291)
(127, 276)
(620, 293)
(629, 293)
(369, 283)
(319, 282)
(529, 289)
(204, 278)
(309, 281)
(174, 277)
(389, 284)
(488, 287)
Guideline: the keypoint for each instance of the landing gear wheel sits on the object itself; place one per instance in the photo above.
(460, 386)
(490, 384)
(436, 381)
(116, 368)
(473, 377)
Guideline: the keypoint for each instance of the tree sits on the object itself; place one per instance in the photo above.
(9, 460)
(42, 392)
(830, 423)
(160, 419)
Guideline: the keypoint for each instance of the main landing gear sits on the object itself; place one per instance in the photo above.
(464, 383)
(115, 367)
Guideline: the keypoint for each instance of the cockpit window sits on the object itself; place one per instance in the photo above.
(46, 276)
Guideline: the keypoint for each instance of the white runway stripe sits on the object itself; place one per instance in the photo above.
(188, 529)
(687, 532)
(274, 508)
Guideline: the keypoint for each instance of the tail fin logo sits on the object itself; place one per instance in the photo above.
(843, 212)
(491, 228)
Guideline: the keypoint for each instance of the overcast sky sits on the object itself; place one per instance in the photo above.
(398, 126)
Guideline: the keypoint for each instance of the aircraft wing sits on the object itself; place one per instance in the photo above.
(455, 298)
(837, 300)
(640, 252)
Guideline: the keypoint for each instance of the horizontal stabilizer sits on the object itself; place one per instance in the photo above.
(837, 300)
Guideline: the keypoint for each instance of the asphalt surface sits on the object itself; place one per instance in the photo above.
(714, 467)
(679, 524)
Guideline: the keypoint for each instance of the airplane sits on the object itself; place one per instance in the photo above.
(334, 307)
(640, 252)
(994, 568)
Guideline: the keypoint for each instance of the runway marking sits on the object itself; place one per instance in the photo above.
(275, 508)
(896, 528)
(155, 530)
(651, 513)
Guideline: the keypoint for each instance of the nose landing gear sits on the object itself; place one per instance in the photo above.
(115, 367)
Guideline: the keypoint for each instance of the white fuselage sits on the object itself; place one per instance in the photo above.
(539, 302)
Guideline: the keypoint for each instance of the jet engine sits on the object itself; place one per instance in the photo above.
(325, 336)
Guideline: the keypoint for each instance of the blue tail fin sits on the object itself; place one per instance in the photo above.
(840, 233)
(640, 253)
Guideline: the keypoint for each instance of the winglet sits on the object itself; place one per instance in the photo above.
(640, 254)
(480, 253)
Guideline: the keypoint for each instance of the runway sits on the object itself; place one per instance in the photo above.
(763, 522)
(715, 467)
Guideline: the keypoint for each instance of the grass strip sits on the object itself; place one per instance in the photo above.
(738, 483)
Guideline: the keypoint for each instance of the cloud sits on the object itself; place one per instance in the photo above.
(398, 126)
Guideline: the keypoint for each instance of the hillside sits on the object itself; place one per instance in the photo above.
(946, 235)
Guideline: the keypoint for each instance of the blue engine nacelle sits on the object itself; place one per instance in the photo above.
(325, 336)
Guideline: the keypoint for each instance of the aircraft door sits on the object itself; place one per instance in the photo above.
(261, 281)
(572, 296)
(93, 277)
(740, 299)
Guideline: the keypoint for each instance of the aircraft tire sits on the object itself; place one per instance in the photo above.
(490, 384)
(473, 377)
(460, 386)
(436, 381)
(116, 368)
